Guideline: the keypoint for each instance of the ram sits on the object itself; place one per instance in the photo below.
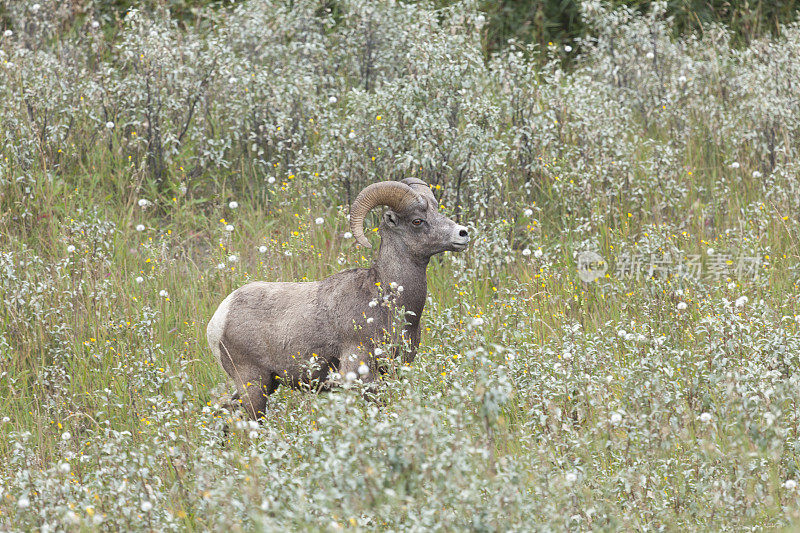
(306, 334)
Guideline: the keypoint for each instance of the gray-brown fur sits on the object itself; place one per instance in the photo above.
(264, 334)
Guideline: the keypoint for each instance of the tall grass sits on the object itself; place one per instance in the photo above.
(537, 401)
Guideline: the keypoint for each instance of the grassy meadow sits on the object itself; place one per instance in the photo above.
(149, 169)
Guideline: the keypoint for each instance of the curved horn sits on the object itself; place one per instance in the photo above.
(398, 196)
(420, 187)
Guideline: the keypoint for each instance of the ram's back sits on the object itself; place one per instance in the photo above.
(278, 326)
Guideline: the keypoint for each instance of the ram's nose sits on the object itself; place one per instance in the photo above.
(460, 238)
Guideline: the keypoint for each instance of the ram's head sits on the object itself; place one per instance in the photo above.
(413, 218)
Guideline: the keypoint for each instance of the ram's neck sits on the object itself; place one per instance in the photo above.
(395, 264)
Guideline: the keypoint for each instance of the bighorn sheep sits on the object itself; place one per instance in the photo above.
(264, 334)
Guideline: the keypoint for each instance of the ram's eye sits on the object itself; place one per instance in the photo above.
(417, 221)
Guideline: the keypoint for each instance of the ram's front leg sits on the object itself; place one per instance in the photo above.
(409, 343)
(358, 364)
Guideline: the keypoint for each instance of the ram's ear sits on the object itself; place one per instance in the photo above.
(390, 218)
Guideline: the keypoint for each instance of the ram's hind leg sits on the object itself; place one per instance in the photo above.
(253, 389)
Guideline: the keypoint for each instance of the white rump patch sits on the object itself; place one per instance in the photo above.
(216, 327)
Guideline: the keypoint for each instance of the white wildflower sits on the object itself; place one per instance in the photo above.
(23, 502)
(95, 24)
(400, 288)
(710, 251)
(682, 306)
(363, 369)
(253, 434)
(790, 484)
(571, 477)
(681, 79)
(287, 253)
(332, 100)
(705, 418)
(350, 376)
(370, 320)
(143, 202)
(616, 418)
(757, 174)
(8, 33)
(147, 506)
(70, 248)
(271, 180)
(319, 221)
(139, 279)
(538, 253)
(262, 249)
(732, 285)
(347, 235)
(163, 293)
(373, 303)
(233, 258)
(735, 164)
(650, 55)
(6, 420)
(526, 252)
(229, 227)
(220, 266)
(66, 436)
(528, 212)
(139, 227)
(64, 468)
(567, 48)
(393, 285)
(35, 8)
(233, 204)
(476, 322)
(377, 352)
(110, 125)
(232, 80)
(741, 301)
